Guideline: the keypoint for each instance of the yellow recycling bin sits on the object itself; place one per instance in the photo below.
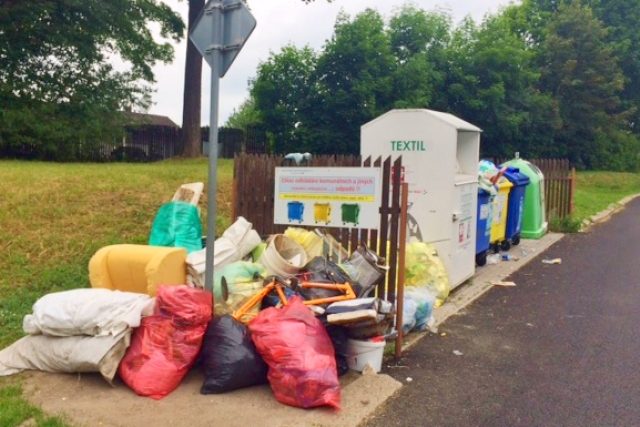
(500, 208)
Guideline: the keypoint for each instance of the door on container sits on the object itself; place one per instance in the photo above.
(463, 238)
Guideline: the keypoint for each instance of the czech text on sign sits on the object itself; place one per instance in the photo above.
(328, 197)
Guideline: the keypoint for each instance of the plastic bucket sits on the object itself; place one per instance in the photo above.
(360, 353)
(283, 256)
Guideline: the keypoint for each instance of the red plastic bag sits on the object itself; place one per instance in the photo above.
(300, 355)
(166, 345)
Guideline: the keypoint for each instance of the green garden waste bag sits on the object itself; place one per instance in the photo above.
(177, 224)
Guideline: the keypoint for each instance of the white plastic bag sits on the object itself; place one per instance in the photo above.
(94, 312)
(65, 354)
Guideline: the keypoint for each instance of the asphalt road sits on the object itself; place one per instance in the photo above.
(560, 349)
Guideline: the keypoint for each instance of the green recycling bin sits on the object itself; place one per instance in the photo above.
(534, 223)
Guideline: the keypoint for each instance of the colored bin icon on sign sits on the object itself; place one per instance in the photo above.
(295, 211)
(322, 213)
(350, 213)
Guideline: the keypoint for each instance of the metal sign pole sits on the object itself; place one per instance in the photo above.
(219, 33)
(215, 8)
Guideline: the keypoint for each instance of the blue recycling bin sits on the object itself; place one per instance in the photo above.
(483, 231)
(515, 208)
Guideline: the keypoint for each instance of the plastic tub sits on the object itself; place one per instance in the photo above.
(283, 256)
(360, 353)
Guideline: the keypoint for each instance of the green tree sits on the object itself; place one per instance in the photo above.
(353, 84)
(621, 17)
(56, 81)
(280, 91)
(419, 41)
(492, 82)
(245, 117)
(581, 71)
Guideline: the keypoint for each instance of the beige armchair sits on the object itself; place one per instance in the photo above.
(137, 268)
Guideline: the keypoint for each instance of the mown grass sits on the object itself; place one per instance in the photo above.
(595, 191)
(16, 411)
(53, 217)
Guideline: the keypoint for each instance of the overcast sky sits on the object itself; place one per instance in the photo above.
(281, 22)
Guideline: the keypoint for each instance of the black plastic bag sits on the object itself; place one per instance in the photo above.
(229, 358)
(339, 338)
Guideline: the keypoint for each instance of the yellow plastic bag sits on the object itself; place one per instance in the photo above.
(310, 241)
(423, 268)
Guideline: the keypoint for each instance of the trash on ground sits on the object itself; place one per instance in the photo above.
(166, 344)
(503, 283)
(93, 312)
(424, 268)
(363, 353)
(300, 356)
(229, 358)
(552, 261)
(177, 224)
(137, 268)
(80, 353)
(493, 259)
(236, 242)
(458, 352)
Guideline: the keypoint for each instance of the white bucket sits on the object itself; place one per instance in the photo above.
(283, 256)
(360, 353)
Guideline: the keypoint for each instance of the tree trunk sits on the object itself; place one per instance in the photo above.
(191, 135)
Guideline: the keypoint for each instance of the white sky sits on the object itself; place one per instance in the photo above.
(281, 22)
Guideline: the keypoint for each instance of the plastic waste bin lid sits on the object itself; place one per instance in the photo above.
(516, 177)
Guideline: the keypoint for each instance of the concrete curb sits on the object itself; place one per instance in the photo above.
(606, 214)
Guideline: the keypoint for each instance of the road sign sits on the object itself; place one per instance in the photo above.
(218, 33)
(237, 25)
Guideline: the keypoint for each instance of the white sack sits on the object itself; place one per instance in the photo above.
(95, 312)
(65, 354)
(236, 242)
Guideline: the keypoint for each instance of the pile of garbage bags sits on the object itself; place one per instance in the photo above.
(286, 312)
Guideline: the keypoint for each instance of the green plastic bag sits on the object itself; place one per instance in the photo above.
(177, 224)
(236, 274)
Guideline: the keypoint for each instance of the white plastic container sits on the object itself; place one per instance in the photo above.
(440, 154)
(283, 256)
(361, 352)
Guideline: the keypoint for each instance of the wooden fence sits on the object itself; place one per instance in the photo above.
(253, 198)
(559, 185)
(144, 143)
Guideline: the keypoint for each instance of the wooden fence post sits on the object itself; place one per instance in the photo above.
(402, 246)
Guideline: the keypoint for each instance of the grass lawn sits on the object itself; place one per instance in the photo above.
(53, 217)
(597, 190)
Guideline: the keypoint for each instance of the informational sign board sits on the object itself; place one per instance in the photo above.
(328, 197)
